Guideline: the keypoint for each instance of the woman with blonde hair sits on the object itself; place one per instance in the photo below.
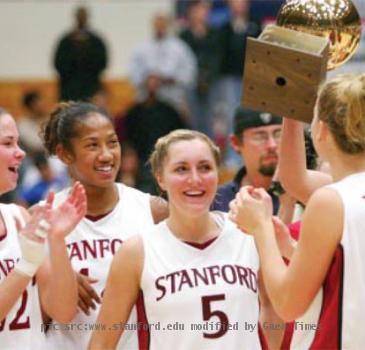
(197, 273)
(331, 244)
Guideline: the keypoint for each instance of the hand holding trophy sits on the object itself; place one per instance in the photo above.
(285, 65)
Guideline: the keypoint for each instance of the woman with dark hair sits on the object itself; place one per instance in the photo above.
(83, 137)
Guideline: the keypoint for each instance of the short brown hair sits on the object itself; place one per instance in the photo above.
(163, 144)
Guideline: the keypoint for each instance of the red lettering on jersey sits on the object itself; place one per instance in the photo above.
(185, 279)
(3, 268)
(172, 275)
(242, 276)
(160, 287)
(253, 280)
(210, 275)
(6, 266)
(213, 274)
(88, 249)
(75, 251)
(10, 263)
(104, 246)
(232, 274)
(94, 249)
(116, 243)
(202, 278)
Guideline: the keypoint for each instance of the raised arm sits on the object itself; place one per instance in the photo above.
(56, 278)
(292, 288)
(121, 293)
(297, 180)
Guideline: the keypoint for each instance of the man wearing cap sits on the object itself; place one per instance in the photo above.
(255, 137)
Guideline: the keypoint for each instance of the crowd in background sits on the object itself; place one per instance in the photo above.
(187, 74)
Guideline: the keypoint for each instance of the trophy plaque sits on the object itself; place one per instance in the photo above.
(286, 63)
(283, 69)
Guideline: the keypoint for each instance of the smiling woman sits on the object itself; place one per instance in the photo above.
(83, 137)
(194, 269)
(10, 153)
(23, 254)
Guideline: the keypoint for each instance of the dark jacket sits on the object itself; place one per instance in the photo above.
(79, 64)
(227, 193)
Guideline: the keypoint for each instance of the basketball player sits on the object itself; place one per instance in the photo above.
(331, 241)
(83, 137)
(196, 271)
(25, 268)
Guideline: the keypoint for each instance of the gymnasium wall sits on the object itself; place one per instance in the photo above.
(29, 31)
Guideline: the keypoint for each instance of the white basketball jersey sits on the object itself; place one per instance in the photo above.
(21, 328)
(200, 297)
(91, 247)
(339, 324)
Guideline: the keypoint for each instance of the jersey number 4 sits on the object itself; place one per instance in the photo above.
(208, 313)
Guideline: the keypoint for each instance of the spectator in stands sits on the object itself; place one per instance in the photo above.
(256, 139)
(233, 42)
(129, 166)
(48, 180)
(30, 125)
(80, 58)
(203, 40)
(147, 121)
(167, 57)
(101, 98)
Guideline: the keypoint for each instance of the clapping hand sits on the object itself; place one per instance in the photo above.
(66, 216)
(251, 208)
(32, 240)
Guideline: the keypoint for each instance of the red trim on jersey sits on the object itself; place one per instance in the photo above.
(288, 335)
(263, 341)
(329, 333)
(201, 246)
(97, 217)
(4, 235)
(143, 329)
(5, 228)
(294, 229)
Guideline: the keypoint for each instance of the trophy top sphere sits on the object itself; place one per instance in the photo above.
(337, 20)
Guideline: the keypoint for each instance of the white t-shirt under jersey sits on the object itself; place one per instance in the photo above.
(21, 328)
(202, 297)
(91, 247)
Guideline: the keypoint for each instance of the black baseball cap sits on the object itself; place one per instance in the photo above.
(245, 118)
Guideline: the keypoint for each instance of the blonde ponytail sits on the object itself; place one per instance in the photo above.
(341, 104)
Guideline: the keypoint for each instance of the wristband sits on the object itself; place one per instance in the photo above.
(40, 233)
(26, 268)
(33, 254)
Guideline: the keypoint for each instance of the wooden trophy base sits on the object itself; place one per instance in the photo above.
(283, 69)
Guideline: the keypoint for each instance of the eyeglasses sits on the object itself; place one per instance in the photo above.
(262, 137)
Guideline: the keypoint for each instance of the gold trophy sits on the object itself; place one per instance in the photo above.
(285, 65)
